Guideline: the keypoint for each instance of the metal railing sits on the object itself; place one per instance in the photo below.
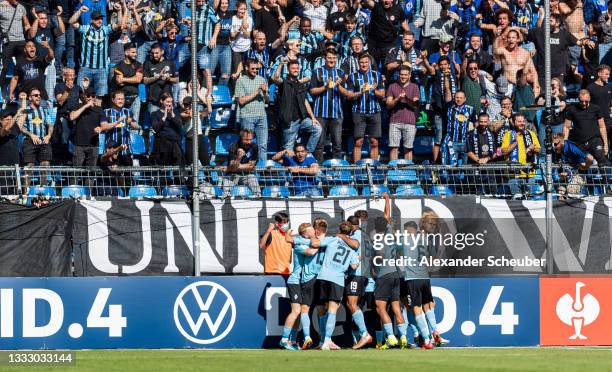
(499, 180)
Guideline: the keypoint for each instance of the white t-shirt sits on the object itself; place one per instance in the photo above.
(242, 42)
(318, 15)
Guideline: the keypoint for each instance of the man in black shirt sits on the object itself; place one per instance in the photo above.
(127, 76)
(167, 124)
(601, 93)
(30, 70)
(295, 112)
(67, 95)
(159, 76)
(90, 121)
(481, 144)
(9, 131)
(41, 29)
(268, 19)
(386, 22)
(588, 130)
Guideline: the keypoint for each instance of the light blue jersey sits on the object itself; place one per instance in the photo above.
(357, 236)
(311, 264)
(298, 263)
(413, 253)
(338, 258)
(388, 252)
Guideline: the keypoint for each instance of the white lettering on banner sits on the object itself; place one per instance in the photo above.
(562, 252)
(56, 312)
(274, 326)
(350, 206)
(508, 228)
(247, 250)
(507, 319)
(171, 267)
(97, 227)
(586, 227)
(6, 312)
(115, 322)
(274, 206)
(180, 215)
(216, 295)
(411, 209)
(450, 308)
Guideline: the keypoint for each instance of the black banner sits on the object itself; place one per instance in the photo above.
(36, 241)
(126, 237)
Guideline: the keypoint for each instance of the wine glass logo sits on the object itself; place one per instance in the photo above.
(578, 311)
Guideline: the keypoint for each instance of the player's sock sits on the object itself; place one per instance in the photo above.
(329, 326)
(412, 323)
(286, 333)
(293, 335)
(422, 324)
(431, 319)
(322, 325)
(380, 336)
(388, 327)
(360, 321)
(305, 319)
(402, 328)
(355, 335)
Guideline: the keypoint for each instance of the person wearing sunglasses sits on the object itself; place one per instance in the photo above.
(89, 122)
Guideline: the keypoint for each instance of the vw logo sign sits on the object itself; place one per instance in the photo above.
(213, 304)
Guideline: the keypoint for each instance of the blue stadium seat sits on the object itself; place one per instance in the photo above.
(441, 190)
(47, 191)
(142, 191)
(221, 96)
(311, 192)
(241, 191)
(142, 92)
(277, 176)
(361, 175)
(275, 191)
(399, 176)
(376, 190)
(175, 192)
(223, 143)
(336, 177)
(343, 191)
(101, 143)
(409, 190)
(423, 145)
(137, 143)
(220, 117)
(74, 191)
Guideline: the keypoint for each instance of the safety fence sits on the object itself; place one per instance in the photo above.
(273, 180)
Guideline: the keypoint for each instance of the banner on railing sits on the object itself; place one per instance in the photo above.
(477, 236)
(36, 241)
(233, 312)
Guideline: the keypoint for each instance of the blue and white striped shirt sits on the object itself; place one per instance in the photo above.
(305, 70)
(207, 19)
(459, 118)
(36, 121)
(94, 46)
(327, 104)
(264, 59)
(121, 133)
(367, 103)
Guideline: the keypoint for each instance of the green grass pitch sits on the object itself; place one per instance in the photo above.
(443, 359)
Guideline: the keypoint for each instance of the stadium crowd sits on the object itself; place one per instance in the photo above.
(324, 270)
(343, 78)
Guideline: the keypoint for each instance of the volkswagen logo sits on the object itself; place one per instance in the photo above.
(208, 303)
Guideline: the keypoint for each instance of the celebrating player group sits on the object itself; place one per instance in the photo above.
(330, 270)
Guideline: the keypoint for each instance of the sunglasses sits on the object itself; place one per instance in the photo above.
(34, 95)
(473, 68)
(90, 96)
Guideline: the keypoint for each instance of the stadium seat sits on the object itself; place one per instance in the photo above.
(137, 143)
(142, 191)
(376, 190)
(277, 175)
(423, 145)
(311, 192)
(221, 96)
(343, 191)
(223, 143)
(361, 175)
(275, 191)
(74, 191)
(242, 191)
(441, 190)
(101, 143)
(399, 176)
(220, 117)
(47, 191)
(409, 190)
(336, 177)
(142, 92)
(175, 192)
